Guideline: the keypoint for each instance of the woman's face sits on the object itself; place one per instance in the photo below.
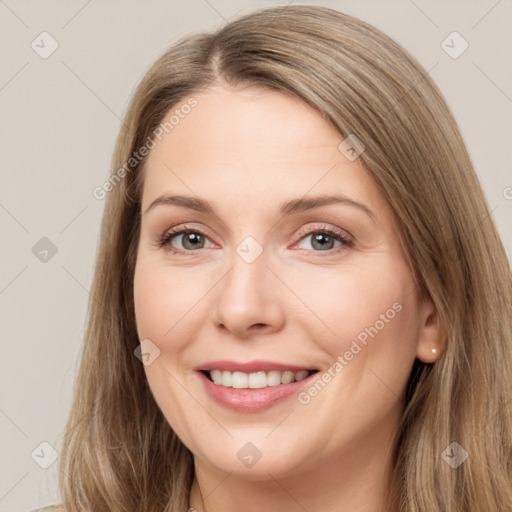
(259, 280)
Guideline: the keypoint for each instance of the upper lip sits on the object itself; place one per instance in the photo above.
(251, 366)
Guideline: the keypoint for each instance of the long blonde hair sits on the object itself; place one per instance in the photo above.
(119, 453)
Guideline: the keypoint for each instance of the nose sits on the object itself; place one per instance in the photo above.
(249, 299)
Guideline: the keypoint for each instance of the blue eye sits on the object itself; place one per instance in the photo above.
(322, 240)
(325, 238)
(194, 239)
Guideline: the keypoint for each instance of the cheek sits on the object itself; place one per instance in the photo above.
(163, 299)
(368, 316)
(344, 302)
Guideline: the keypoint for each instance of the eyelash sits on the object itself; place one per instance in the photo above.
(165, 240)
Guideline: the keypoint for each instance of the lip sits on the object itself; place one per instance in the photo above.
(252, 399)
(251, 366)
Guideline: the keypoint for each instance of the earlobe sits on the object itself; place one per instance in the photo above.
(426, 356)
(431, 337)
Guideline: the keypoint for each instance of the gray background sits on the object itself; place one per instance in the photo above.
(59, 119)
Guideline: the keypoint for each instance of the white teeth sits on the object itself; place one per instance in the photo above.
(286, 377)
(256, 380)
(216, 376)
(239, 380)
(273, 378)
(301, 375)
(226, 379)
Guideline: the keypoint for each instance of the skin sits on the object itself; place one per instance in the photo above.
(247, 151)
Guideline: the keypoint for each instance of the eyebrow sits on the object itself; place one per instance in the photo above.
(291, 207)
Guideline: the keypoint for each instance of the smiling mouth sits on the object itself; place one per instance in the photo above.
(255, 380)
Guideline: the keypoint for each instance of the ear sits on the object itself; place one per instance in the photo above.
(431, 335)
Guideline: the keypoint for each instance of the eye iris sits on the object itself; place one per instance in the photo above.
(191, 240)
(322, 236)
(194, 238)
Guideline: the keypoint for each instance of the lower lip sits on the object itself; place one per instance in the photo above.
(252, 400)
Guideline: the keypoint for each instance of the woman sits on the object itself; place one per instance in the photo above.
(301, 300)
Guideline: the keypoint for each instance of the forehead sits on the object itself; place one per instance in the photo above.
(253, 123)
(253, 144)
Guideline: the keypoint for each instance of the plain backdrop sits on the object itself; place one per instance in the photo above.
(60, 114)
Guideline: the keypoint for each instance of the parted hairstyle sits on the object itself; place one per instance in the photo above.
(120, 454)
